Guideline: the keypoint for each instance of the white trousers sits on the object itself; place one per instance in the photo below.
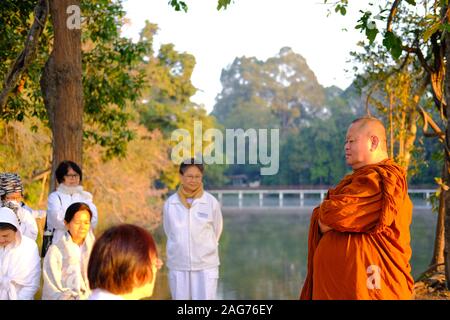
(194, 285)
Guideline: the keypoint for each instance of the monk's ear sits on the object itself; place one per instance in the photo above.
(374, 143)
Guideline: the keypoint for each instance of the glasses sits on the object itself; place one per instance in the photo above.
(194, 177)
(72, 176)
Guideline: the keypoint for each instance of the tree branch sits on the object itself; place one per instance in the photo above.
(392, 14)
(427, 120)
(420, 56)
(25, 58)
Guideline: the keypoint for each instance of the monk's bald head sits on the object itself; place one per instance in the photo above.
(365, 142)
(371, 126)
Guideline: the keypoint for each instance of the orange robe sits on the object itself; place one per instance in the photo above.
(366, 255)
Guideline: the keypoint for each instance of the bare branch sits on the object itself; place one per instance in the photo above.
(41, 174)
(386, 77)
(420, 56)
(369, 95)
(427, 120)
(392, 14)
(27, 55)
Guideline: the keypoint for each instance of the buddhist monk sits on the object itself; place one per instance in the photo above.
(359, 240)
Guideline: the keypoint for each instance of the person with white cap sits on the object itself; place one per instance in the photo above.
(11, 196)
(20, 264)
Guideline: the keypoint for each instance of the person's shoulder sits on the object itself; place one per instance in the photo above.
(172, 198)
(209, 197)
(53, 195)
(28, 243)
(54, 251)
(85, 196)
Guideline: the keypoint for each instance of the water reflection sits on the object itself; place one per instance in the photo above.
(263, 255)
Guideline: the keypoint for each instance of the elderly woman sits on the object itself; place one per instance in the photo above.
(11, 196)
(20, 264)
(123, 264)
(69, 177)
(193, 222)
(65, 264)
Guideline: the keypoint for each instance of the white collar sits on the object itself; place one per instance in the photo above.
(101, 294)
(69, 190)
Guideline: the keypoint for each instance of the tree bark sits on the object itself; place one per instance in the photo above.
(447, 156)
(439, 243)
(61, 85)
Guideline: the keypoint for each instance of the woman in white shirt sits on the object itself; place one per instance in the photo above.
(123, 264)
(193, 224)
(69, 177)
(20, 264)
(65, 264)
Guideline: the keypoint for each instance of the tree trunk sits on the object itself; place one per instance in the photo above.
(438, 253)
(410, 137)
(61, 85)
(447, 156)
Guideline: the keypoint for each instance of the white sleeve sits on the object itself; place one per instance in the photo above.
(53, 288)
(30, 272)
(166, 224)
(218, 219)
(29, 225)
(37, 214)
(55, 211)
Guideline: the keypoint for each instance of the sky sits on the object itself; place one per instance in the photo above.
(251, 28)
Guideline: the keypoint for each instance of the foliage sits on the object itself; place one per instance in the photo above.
(123, 187)
(27, 153)
(279, 90)
(110, 79)
(179, 5)
(166, 104)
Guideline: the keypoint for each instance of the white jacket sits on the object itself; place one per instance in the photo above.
(101, 294)
(36, 214)
(65, 269)
(28, 225)
(59, 201)
(20, 269)
(192, 234)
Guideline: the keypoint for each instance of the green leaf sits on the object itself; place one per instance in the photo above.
(393, 44)
(388, 40)
(371, 34)
(223, 4)
(178, 5)
(429, 32)
(411, 2)
(445, 27)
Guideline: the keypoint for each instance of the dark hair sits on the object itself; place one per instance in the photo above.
(63, 168)
(190, 163)
(7, 226)
(74, 208)
(122, 259)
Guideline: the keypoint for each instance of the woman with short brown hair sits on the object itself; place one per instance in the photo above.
(123, 264)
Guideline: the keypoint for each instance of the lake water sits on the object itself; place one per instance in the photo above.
(263, 255)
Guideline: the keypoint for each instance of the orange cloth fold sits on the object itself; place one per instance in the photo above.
(366, 255)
